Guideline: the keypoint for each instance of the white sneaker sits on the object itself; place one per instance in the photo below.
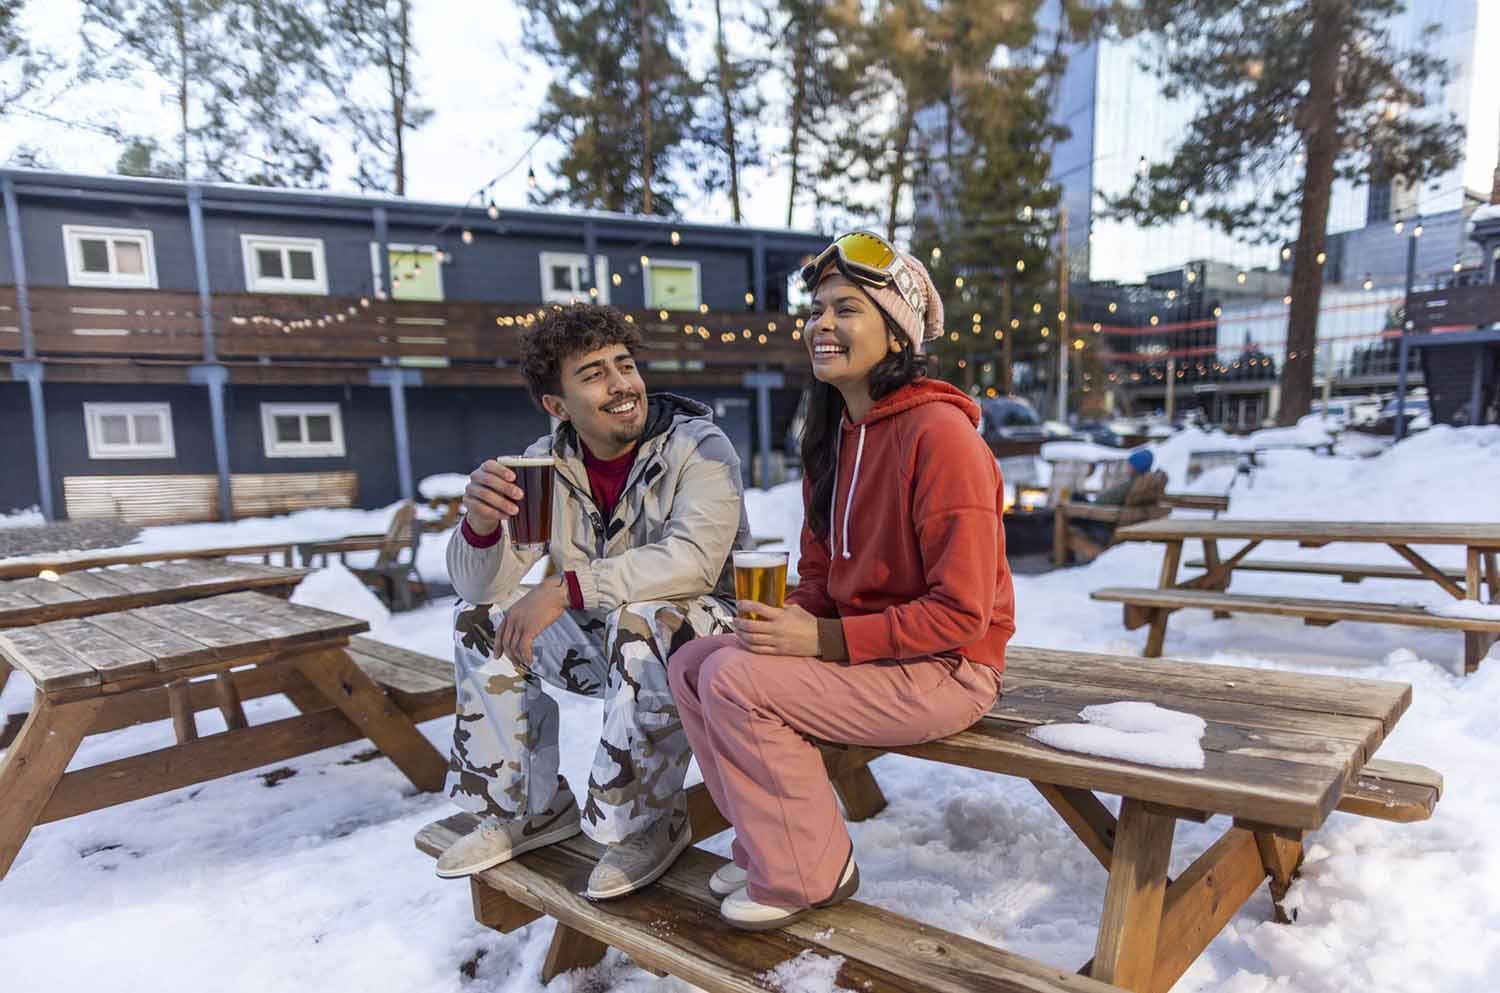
(739, 911)
(728, 879)
(641, 859)
(495, 841)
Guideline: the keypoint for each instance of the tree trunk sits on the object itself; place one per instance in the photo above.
(182, 84)
(645, 84)
(398, 105)
(1319, 127)
(898, 173)
(728, 105)
(798, 112)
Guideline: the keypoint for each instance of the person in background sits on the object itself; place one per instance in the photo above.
(648, 505)
(896, 632)
(1139, 462)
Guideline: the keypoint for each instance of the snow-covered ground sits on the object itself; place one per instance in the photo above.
(234, 885)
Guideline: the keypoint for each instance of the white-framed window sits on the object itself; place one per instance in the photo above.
(274, 264)
(673, 284)
(302, 430)
(416, 270)
(129, 430)
(565, 277)
(123, 257)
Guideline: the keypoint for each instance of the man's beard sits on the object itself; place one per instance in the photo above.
(625, 436)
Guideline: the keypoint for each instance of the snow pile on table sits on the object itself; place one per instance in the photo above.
(443, 486)
(809, 972)
(1133, 731)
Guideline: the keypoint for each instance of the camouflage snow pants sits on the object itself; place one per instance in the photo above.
(505, 743)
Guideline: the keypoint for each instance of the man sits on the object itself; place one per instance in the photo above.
(648, 506)
(1100, 533)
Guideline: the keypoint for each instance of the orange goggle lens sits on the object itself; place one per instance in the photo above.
(867, 254)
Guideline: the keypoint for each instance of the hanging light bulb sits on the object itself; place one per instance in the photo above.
(493, 211)
(468, 237)
(1400, 226)
(1046, 331)
(645, 261)
(1241, 277)
(1286, 252)
(703, 308)
(1113, 306)
(1143, 166)
(1036, 308)
(531, 177)
(749, 299)
(615, 279)
(1192, 275)
(937, 253)
(1171, 294)
(1182, 206)
(1155, 320)
(676, 238)
(1026, 212)
(1218, 311)
(1287, 299)
(1416, 232)
(1322, 257)
(1369, 283)
(958, 283)
(1458, 265)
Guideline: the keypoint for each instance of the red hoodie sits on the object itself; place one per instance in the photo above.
(915, 561)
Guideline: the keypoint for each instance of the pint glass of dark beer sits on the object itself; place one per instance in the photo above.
(760, 576)
(531, 528)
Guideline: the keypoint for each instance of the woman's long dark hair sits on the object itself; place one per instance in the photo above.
(825, 412)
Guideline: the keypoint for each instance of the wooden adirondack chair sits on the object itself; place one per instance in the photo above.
(393, 576)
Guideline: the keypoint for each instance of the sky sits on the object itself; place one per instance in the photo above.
(474, 70)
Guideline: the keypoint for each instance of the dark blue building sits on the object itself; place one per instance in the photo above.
(203, 343)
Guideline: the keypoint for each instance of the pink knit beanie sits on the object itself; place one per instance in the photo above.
(911, 300)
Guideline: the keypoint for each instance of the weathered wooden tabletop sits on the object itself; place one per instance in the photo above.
(1475, 535)
(106, 590)
(88, 655)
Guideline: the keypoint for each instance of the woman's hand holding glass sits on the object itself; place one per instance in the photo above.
(779, 631)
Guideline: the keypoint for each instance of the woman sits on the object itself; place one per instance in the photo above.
(897, 631)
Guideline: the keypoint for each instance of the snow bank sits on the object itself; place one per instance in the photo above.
(1135, 732)
(339, 590)
(1083, 451)
(30, 517)
(443, 486)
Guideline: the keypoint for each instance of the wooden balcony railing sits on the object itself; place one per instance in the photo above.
(69, 321)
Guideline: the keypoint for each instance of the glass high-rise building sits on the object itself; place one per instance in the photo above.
(1118, 117)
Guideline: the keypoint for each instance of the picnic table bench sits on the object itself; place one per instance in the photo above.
(1145, 606)
(98, 674)
(1282, 752)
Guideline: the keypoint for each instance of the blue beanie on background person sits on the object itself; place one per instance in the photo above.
(1141, 460)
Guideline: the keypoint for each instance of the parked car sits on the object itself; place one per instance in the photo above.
(1011, 426)
(1418, 416)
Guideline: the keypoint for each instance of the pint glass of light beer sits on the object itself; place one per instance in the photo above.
(760, 576)
(531, 528)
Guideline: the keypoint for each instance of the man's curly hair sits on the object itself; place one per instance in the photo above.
(569, 331)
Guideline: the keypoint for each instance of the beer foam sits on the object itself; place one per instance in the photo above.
(759, 560)
(527, 461)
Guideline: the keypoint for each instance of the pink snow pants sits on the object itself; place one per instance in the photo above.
(749, 718)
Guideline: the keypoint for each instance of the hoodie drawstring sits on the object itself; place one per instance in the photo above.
(833, 504)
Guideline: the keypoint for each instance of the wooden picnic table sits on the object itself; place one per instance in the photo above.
(1481, 542)
(98, 674)
(1282, 751)
(105, 590)
(72, 563)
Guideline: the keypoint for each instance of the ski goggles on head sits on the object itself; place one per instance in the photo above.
(866, 258)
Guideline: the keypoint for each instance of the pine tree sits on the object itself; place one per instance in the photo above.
(730, 125)
(372, 39)
(24, 67)
(1316, 83)
(621, 102)
(240, 72)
